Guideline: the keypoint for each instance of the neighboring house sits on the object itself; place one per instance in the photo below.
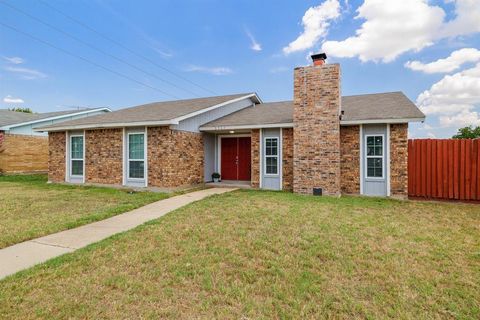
(22, 149)
(320, 140)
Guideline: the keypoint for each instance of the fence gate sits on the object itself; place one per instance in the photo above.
(444, 168)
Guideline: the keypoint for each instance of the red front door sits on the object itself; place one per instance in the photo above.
(235, 158)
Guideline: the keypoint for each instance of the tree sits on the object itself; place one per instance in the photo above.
(18, 109)
(468, 133)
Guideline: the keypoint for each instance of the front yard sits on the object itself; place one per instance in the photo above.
(30, 208)
(254, 254)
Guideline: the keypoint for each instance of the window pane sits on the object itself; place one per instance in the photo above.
(271, 165)
(378, 150)
(370, 151)
(135, 146)
(378, 140)
(77, 147)
(77, 167)
(136, 169)
(370, 141)
(271, 147)
(375, 167)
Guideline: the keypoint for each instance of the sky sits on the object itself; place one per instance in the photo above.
(58, 55)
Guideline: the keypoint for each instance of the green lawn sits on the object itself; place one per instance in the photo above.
(29, 207)
(254, 254)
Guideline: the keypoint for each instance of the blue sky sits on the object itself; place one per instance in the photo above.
(241, 46)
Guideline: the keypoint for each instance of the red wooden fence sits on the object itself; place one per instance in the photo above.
(444, 168)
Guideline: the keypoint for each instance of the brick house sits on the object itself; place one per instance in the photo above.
(22, 149)
(320, 140)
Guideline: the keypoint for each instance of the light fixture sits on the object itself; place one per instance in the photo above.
(231, 131)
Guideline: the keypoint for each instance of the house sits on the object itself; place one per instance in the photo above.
(318, 143)
(22, 149)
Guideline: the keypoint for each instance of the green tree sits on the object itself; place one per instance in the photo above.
(468, 133)
(18, 109)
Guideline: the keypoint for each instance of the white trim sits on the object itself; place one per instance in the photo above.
(8, 127)
(109, 125)
(139, 160)
(247, 126)
(361, 159)
(124, 179)
(280, 159)
(67, 157)
(271, 156)
(70, 159)
(145, 147)
(196, 113)
(260, 156)
(374, 156)
(174, 121)
(219, 148)
(84, 155)
(387, 153)
(373, 121)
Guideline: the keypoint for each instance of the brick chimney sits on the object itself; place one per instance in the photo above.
(316, 150)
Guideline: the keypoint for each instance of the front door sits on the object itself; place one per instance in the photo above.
(235, 158)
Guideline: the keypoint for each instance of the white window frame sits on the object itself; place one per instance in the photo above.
(76, 159)
(265, 156)
(374, 156)
(143, 160)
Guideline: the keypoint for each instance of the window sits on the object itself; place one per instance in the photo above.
(271, 156)
(374, 156)
(76, 155)
(136, 155)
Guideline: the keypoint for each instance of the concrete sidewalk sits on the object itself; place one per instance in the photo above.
(29, 253)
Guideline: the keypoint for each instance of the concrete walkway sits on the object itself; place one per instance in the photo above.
(29, 253)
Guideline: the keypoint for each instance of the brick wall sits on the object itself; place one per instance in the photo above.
(287, 159)
(103, 156)
(56, 158)
(316, 153)
(399, 159)
(23, 153)
(255, 158)
(350, 159)
(175, 158)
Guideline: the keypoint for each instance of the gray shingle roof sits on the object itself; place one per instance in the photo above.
(8, 118)
(264, 113)
(377, 106)
(158, 111)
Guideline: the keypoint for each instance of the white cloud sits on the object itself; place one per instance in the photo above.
(217, 71)
(431, 135)
(316, 22)
(449, 64)
(14, 60)
(255, 46)
(392, 28)
(455, 99)
(10, 99)
(25, 73)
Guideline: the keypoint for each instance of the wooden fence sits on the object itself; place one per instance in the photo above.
(444, 169)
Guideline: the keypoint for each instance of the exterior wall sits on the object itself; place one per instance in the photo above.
(316, 153)
(209, 149)
(19, 153)
(287, 159)
(350, 159)
(192, 124)
(29, 128)
(175, 158)
(56, 159)
(399, 159)
(255, 150)
(103, 156)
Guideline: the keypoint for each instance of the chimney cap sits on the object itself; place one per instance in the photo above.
(319, 56)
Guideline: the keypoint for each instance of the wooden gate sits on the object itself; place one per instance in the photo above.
(444, 169)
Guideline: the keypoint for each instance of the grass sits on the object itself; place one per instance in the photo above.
(30, 208)
(254, 254)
